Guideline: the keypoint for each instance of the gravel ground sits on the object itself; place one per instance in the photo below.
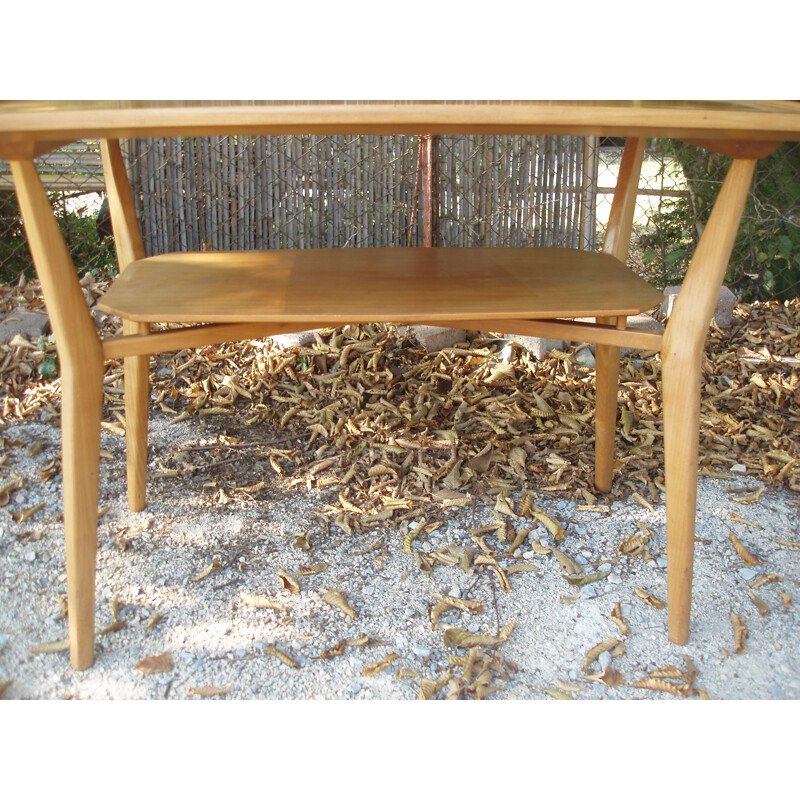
(189, 557)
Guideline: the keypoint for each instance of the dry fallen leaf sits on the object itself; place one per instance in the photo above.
(745, 554)
(609, 676)
(4, 685)
(670, 671)
(457, 637)
(616, 618)
(209, 691)
(406, 673)
(336, 599)
(557, 694)
(661, 685)
(153, 620)
(51, 647)
(749, 498)
(282, 657)
(737, 518)
(633, 545)
(648, 598)
(762, 607)
(312, 569)
(551, 524)
(260, 601)
(288, 582)
(739, 633)
(214, 566)
(568, 566)
(156, 664)
(568, 687)
(762, 579)
(597, 650)
(373, 669)
(584, 580)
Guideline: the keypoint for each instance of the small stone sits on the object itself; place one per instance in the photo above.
(573, 674)
(662, 562)
(589, 592)
(474, 627)
(604, 568)
(585, 358)
(604, 660)
(739, 468)
(355, 688)
(613, 578)
(747, 573)
(240, 653)
(262, 647)
(421, 652)
(528, 555)
(454, 591)
(30, 556)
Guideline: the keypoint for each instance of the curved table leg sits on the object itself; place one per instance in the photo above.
(682, 355)
(81, 358)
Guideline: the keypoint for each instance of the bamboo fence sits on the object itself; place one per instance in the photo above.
(276, 192)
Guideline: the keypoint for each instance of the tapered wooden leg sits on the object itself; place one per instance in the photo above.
(606, 387)
(681, 404)
(682, 355)
(81, 358)
(137, 400)
(81, 408)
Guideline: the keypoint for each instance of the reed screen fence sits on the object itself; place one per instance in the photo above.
(371, 191)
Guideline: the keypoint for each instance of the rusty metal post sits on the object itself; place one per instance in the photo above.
(429, 159)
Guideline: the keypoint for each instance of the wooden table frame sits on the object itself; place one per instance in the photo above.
(744, 131)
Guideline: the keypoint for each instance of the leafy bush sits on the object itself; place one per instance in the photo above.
(78, 227)
(765, 263)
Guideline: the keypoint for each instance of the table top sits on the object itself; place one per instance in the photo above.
(32, 127)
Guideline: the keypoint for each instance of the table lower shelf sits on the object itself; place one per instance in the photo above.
(334, 286)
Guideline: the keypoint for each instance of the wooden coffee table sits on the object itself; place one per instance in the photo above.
(253, 294)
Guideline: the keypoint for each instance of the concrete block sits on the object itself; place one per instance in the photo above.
(27, 323)
(434, 338)
(300, 339)
(645, 322)
(539, 348)
(723, 313)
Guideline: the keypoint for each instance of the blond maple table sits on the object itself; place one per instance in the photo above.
(254, 294)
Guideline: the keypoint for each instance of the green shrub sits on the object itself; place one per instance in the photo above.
(765, 263)
(78, 228)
